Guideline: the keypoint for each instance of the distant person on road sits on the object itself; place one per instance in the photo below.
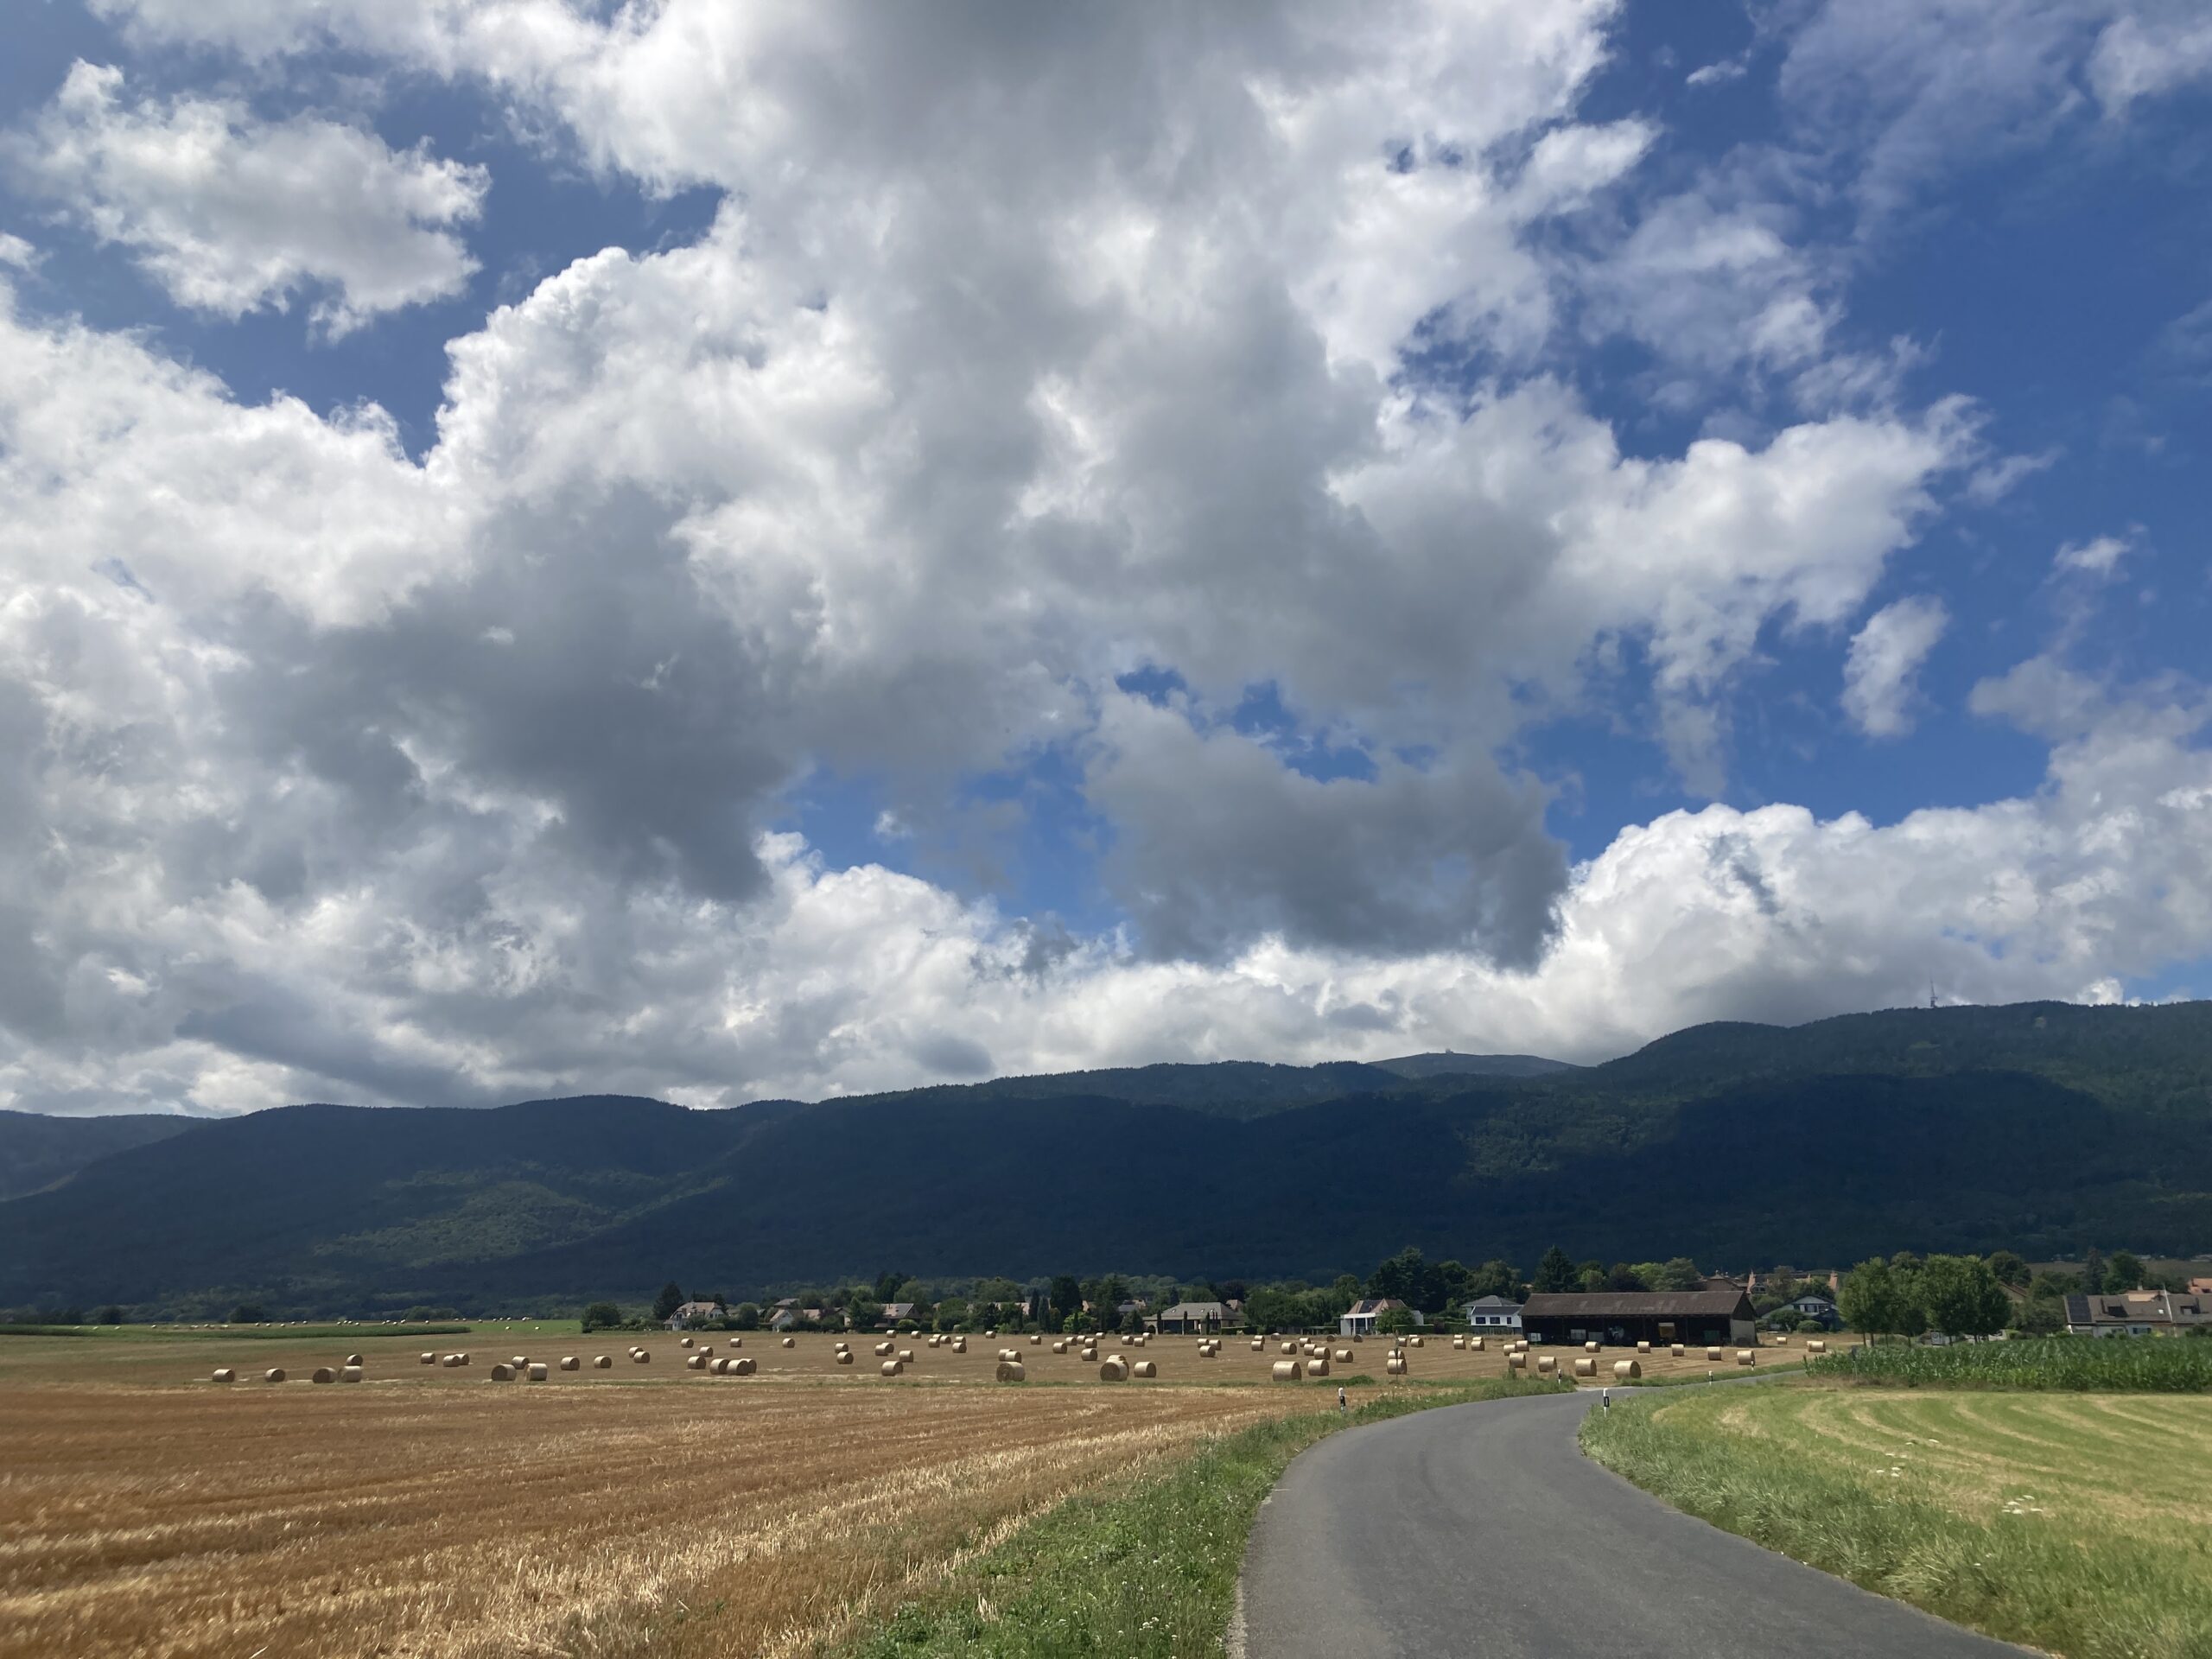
(1340, 1398)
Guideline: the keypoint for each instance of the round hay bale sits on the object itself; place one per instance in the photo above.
(602, 1362)
(1676, 1350)
(906, 1356)
(429, 1359)
(737, 1342)
(791, 1342)
(1394, 1365)
(743, 1365)
(695, 1362)
(1089, 1356)
(716, 1367)
(1627, 1370)
(1712, 1354)
(991, 1336)
(643, 1356)
(1418, 1341)
(536, 1372)
(449, 1362)
(323, 1373)
(883, 1349)
(1146, 1368)
(1287, 1371)
(844, 1356)
(1115, 1370)
(934, 1339)
(1009, 1353)
(1259, 1344)
(890, 1368)
(1816, 1346)
(350, 1374)
(274, 1374)
(1586, 1366)
(503, 1373)
(352, 1359)
(1516, 1362)
(1288, 1348)
(225, 1374)
(1012, 1370)
(1344, 1356)
(1547, 1364)
(684, 1343)
(1060, 1347)
(1318, 1366)
(1458, 1342)
(1475, 1344)
(568, 1362)
(1034, 1340)
(521, 1362)
(1747, 1356)
(1642, 1347)
(1592, 1347)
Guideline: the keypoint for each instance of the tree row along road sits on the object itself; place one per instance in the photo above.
(1483, 1529)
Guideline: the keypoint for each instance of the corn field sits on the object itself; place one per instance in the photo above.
(2113, 1364)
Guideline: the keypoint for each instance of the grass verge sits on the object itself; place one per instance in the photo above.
(2077, 1525)
(1151, 1570)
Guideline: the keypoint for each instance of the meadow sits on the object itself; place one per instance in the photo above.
(2079, 1523)
(430, 1511)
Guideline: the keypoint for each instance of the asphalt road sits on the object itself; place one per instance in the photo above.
(1481, 1529)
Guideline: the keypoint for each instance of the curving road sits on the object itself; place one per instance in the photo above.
(1483, 1529)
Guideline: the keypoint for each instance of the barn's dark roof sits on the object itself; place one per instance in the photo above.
(1639, 1304)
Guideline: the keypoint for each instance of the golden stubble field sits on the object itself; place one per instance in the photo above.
(426, 1511)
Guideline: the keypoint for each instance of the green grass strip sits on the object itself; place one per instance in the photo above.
(1151, 1570)
(2089, 1591)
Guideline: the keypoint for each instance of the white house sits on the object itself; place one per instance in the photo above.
(1359, 1321)
(1490, 1313)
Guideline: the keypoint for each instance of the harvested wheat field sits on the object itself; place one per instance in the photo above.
(399, 1520)
(427, 1509)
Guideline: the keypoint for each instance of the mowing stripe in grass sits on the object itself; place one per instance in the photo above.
(1150, 1571)
(2062, 1575)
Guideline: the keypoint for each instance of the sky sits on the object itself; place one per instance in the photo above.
(728, 552)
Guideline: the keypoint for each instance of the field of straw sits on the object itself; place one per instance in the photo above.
(427, 1511)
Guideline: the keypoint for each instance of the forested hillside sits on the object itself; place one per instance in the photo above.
(2039, 1128)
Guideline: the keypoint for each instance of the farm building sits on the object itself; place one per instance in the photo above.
(1185, 1317)
(1487, 1313)
(1620, 1317)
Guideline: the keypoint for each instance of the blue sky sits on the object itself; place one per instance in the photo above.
(806, 547)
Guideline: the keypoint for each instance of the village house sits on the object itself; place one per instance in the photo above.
(690, 1313)
(1811, 1305)
(1202, 1317)
(1490, 1313)
(2137, 1313)
(1360, 1319)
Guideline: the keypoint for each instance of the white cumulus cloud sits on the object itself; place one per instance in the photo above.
(230, 214)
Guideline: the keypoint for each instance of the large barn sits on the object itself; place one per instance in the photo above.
(1621, 1317)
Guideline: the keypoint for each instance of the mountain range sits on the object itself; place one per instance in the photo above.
(2041, 1127)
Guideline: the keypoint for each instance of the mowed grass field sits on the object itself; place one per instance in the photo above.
(2078, 1523)
(427, 1511)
